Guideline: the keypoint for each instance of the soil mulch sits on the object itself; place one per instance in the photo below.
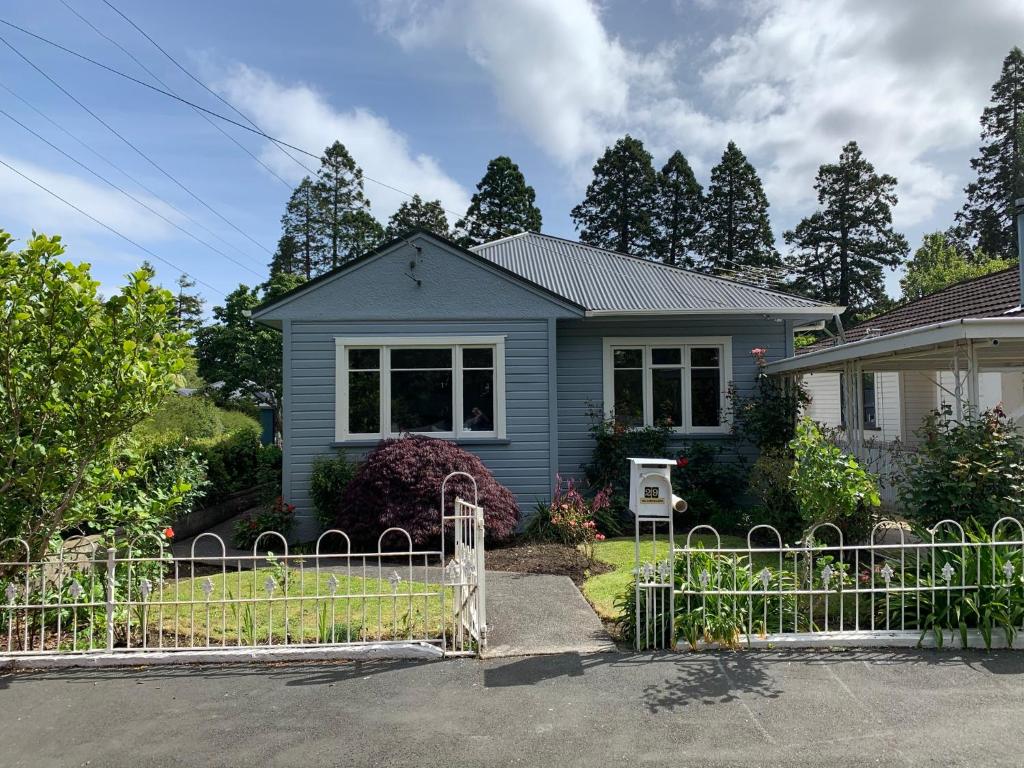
(536, 557)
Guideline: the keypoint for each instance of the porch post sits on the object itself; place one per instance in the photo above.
(858, 408)
(958, 387)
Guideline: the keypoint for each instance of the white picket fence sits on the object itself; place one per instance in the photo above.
(140, 598)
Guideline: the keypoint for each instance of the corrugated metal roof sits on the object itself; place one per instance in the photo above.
(606, 281)
(993, 295)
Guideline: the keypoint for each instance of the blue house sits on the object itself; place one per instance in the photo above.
(512, 349)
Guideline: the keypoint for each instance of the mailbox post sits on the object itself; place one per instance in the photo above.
(652, 503)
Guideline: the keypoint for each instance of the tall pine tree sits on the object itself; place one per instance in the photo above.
(418, 213)
(618, 209)
(286, 259)
(343, 218)
(503, 204)
(987, 218)
(188, 306)
(840, 250)
(678, 212)
(300, 223)
(737, 231)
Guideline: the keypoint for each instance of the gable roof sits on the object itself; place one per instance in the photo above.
(608, 282)
(993, 295)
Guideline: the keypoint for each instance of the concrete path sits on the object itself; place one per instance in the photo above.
(530, 613)
(760, 709)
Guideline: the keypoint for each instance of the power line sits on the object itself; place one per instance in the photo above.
(156, 77)
(127, 194)
(207, 88)
(109, 228)
(118, 168)
(138, 151)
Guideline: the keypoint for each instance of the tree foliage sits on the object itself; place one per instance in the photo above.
(77, 373)
(737, 231)
(503, 204)
(987, 218)
(418, 213)
(678, 212)
(188, 307)
(343, 219)
(618, 209)
(300, 225)
(841, 249)
(939, 263)
(287, 259)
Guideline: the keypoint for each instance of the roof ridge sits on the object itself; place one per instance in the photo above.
(501, 240)
(672, 267)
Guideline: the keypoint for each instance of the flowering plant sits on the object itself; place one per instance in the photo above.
(572, 516)
(279, 517)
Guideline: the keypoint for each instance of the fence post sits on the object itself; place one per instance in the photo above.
(111, 552)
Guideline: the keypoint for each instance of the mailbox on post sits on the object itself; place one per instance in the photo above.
(650, 489)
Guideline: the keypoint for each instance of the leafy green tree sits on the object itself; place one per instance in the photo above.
(503, 204)
(938, 263)
(987, 218)
(618, 209)
(678, 212)
(343, 220)
(286, 258)
(418, 213)
(840, 250)
(737, 233)
(301, 226)
(188, 306)
(240, 353)
(77, 373)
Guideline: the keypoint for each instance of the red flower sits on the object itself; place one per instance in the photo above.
(168, 532)
(599, 537)
(682, 461)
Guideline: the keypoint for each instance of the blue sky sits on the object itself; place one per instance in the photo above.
(425, 93)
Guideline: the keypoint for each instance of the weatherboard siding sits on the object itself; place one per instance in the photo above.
(580, 368)
(522, 462)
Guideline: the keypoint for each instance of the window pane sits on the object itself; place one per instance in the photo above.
(870, 413)
(629, 398)
(629, 358)
(421, 358)
(666, 356)
(704, 356)
(706, 397)
(668, 396)
(421, 401)
(361, 359)
(478, 358)
(478, 401)
(364, 402)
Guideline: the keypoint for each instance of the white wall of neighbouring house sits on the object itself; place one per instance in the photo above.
(826, 405)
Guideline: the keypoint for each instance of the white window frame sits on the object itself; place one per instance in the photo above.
(385, 344)
(724, 343)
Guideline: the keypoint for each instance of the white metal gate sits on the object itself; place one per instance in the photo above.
(465, 572)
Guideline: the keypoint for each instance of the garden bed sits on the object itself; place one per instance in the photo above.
(542, 557)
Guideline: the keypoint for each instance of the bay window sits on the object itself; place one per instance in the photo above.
(451, 387)
(679, 383)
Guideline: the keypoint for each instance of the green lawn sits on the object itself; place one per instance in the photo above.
(603, 590)
(309, 614)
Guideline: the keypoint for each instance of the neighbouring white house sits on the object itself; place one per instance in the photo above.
(961, 348)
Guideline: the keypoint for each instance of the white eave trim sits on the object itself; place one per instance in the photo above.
(902, 341)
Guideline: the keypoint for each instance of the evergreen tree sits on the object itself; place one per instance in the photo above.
(840, 250)
(503, 204)
(300, 224)
(286, 260)
(343, 218)
(188, 307)
(617, 211)
(417, 212)
(737, 231)
(938, 263)
(987, 218)
(678, 214)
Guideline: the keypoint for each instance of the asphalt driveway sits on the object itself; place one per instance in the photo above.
(755, 708)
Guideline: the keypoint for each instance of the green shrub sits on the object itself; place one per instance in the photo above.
(972, 468)
(614, 443)
(278, 516)
(570, 518)
(331, 475)
(709, 475)
(830, 486)
(239, 462)
(767, 417)
(193, 418)
(777, 507)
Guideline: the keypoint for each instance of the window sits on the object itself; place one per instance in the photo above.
(867, 402)
(678, 382)
(440, 386)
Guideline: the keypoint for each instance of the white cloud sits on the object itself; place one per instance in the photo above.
(301, 116)
(790, 84)
(27, 207)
